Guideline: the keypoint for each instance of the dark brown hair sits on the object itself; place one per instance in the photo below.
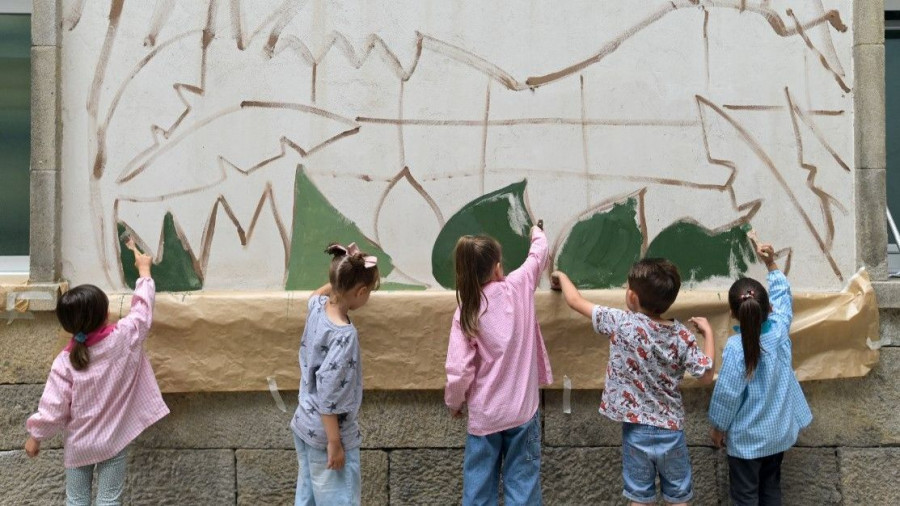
(749, 303)
(83, 309)
(475, 257)
(348, 271)
(656, 282)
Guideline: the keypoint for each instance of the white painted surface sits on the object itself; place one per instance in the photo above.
(650, 107)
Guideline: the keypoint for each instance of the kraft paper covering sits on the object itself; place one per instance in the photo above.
(233, 341)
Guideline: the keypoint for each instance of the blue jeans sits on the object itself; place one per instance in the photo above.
(316, 484)
(110, 482)
(516, 453)
(649, 451)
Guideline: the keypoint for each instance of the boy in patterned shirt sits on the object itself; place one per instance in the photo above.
(648, 356)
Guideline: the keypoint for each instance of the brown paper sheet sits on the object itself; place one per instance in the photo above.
(233, 341)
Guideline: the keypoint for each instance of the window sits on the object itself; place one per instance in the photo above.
(15, 134)
(892, 114)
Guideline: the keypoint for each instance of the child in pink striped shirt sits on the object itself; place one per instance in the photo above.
(496, 361)
(101, 392)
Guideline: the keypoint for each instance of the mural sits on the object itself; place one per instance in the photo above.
(235, 138)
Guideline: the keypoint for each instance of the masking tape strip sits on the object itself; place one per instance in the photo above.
(12, 297)
(16, 315)
(273, 388)
(567, 395)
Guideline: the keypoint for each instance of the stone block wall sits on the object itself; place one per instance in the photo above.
(236, 448)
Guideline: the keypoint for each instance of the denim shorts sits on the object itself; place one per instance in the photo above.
(648, 452)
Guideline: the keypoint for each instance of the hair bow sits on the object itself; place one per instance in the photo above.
(370, 260)
(80, 337)
(748, 295)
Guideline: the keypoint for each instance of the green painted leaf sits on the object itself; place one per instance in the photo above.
(177, 270)
(316, 224)
(500, 214)
(600, 249)
(701, 254)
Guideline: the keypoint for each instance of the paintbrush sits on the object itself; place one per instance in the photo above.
(128, 239)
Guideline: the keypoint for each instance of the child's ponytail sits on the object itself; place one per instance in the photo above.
(351, 267)
(749, 303)
(80, 311)
(475, 259)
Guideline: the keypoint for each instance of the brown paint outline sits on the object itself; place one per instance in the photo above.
(832, 17)
(757, 149)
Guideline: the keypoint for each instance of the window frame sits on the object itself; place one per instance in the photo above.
(15, 265)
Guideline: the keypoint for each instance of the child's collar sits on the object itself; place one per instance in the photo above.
(766, 326)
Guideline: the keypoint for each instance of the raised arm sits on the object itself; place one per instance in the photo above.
(529, 274)
(323, 290)
(137, 323)
(779, 289)
(460, 368)
(559, 281)
(703, 365)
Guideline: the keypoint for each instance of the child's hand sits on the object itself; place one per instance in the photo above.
(718, 437)
(555, 278)
(141, 261)
(766, 253)
(455, 413)
(32, 447)
(335, 455)
(701, 325)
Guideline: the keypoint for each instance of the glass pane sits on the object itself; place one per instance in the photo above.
(15, 131)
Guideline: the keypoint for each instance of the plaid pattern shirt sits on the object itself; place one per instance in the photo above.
(763, 415)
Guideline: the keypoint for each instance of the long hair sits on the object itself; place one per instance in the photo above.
(82, 309)
(348, 271)
(474, 259)
(749, 303)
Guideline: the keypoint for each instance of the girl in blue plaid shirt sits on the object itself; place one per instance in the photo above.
(757, 408)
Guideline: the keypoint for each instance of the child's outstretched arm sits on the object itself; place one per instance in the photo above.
(140, 317)
(529, 274)
(323, 290)
(779, 288)
(559, 281)
(460, 369)
(709, 350)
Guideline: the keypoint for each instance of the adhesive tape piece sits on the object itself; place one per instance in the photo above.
(273, 388)
(567, 395)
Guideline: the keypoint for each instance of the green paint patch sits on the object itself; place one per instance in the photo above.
(174, 271)
(600, 249)
(700, 254)
(393, 286)
(316, 224)
(500, 214)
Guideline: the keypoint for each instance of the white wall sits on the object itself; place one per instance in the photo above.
(669, 97)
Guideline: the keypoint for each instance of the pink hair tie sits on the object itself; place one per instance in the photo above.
(370, 260)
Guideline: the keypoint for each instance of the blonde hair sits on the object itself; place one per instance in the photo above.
(475, 258)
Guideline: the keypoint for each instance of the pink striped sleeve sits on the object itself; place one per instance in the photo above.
(460, 367)
(528, 276)
(53, 410)
(137, 324)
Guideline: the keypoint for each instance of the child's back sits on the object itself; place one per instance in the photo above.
(648, 356)
(763, 414)
(496, 361)
(647, 360)
(499, 372)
